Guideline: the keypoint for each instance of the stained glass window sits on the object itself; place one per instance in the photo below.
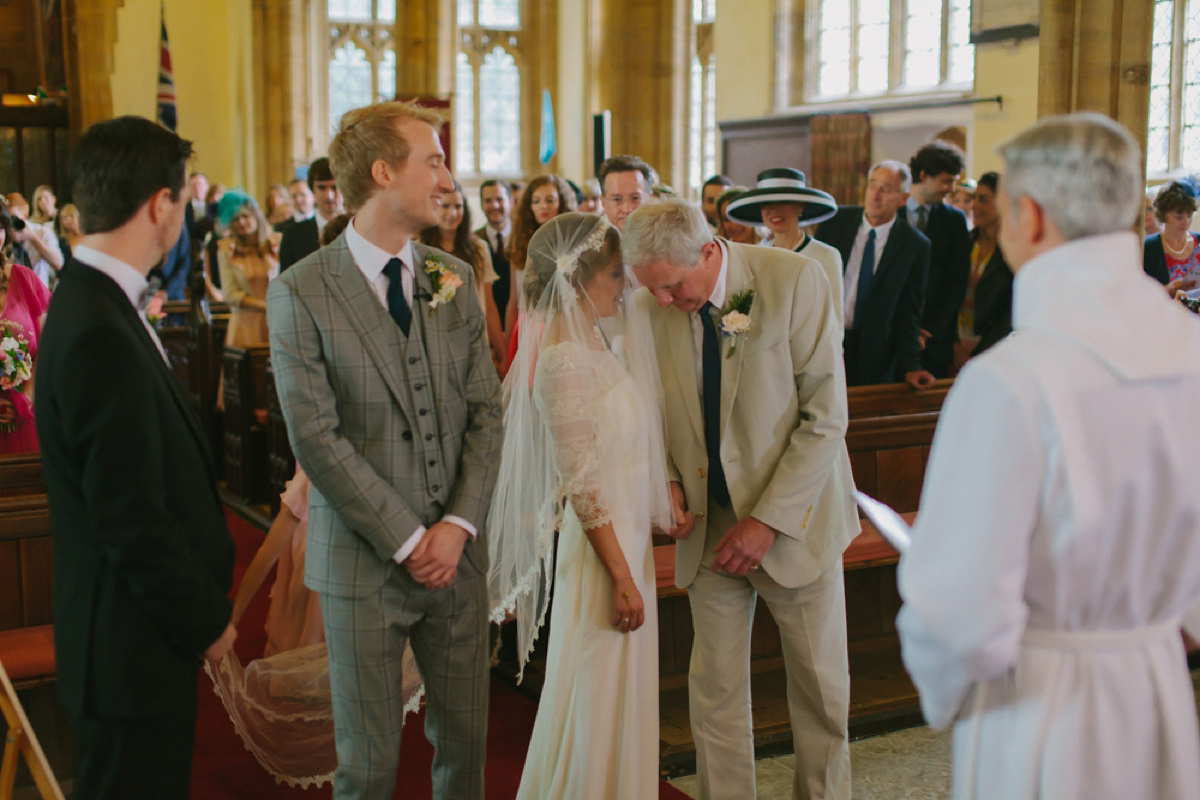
(854, 53)
(362, 55)
(487, 115)
(349, 81)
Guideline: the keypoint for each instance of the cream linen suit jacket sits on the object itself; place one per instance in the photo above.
(783, 416)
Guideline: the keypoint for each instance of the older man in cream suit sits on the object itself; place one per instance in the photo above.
(748, 346)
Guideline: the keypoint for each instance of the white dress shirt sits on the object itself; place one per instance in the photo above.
(717, 298)
(132, 283)
(491, 233)
(854, 265)
(371, 259)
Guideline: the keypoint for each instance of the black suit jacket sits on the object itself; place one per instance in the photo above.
(993, 301)
(885, 339)
(143, 561)
(949, 272)
(502, 286)
(298, 241)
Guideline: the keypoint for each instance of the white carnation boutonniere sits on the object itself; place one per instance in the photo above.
(735, 318)
(446, 282)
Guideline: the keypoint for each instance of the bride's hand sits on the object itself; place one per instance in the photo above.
(628, 612)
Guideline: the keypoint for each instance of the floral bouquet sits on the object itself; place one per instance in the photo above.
(16, 368)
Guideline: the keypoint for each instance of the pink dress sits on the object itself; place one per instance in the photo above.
(294, 618)
(28, 298)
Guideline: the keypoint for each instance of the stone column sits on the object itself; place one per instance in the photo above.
(91, 35)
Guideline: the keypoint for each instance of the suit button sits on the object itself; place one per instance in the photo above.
(412, 359)
(418, 386)
(423, 411)
(433, 462)
(406, 436)
(703, 472)
(429, 437)
(435, 488)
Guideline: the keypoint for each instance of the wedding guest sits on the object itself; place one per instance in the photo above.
(495, 195)
(627, 183)
(302, 200)
(1150, 223)
(591, 203)
(713, 188)
(986, 314)
(545, 198)
(1172, 257)
(961, 197)
(279, 208)
(143, 562)
(1055, 557)
(35, 246)
(731, 229)
(45, 207)
(453, 235)
(70, 225)
(784, 202)
(248, 260)
(304, 237)
(763, 500)
(23, 303)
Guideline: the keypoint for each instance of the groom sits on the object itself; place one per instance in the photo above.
(750, 356)
(393, 410)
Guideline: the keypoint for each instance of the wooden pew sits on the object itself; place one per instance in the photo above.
(281, 464)
(206, 326)
(26, 572)
(245, 422)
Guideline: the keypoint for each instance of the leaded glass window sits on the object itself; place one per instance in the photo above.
(487, 116)
(874, 47)
(362, 55)
(1173, 130)
(702, 98)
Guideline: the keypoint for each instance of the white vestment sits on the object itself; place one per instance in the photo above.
(1057, 549)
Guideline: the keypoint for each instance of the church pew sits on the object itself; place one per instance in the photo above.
(281, 464)
(26, 572)
(245, 422)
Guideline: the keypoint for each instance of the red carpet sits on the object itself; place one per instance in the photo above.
(222, 769)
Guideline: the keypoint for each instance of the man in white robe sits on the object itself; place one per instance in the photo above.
(1057, 550)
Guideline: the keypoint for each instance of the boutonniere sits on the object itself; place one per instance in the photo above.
(445, 281)
(735, 317)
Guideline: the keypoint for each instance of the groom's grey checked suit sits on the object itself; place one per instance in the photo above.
(395, 432)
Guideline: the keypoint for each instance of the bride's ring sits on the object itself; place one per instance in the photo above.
(754, 567)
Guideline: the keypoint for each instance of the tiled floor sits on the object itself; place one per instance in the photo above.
(907, 765)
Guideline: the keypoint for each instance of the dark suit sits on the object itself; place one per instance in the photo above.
(299, 240)
(884, 344)
(177, 266)
(143, 561)
(993, 301)
(949, 272)
(502, 286)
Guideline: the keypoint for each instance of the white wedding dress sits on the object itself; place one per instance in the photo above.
(596, 733)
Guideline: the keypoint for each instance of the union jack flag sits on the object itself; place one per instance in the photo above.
(166, 80)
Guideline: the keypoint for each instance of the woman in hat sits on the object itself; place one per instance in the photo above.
(783, 202)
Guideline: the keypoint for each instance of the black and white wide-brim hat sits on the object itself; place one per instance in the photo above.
(781, 185)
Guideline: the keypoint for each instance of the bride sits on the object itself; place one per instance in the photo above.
(583, 456)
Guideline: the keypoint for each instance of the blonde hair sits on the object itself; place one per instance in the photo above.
(369, 134)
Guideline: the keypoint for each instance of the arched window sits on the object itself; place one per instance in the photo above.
(702, 97)
(487, 115)
(1173, 138)
(865, 48)
(362, 55)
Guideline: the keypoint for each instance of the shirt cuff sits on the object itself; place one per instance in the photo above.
(415, 539)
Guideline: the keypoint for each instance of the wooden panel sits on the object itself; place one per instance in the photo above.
(10, 586)
(892, 399)
(882, 433)
(21, 474)
(900, 474)
(37, 581)
(862, 604)
(862, 465)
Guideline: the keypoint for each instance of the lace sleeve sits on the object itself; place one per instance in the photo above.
(566, 391)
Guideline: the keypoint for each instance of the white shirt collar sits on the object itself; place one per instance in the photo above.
(321, 222)
(370, 258)
(880, 230)
(717, 298)
(506, 231)
(132, 282)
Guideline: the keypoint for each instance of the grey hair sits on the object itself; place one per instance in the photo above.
(1084, 170)
(671, 230)
(900, 168)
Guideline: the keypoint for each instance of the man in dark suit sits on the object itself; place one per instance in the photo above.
(886, 261)
(304, 237)
(935, 168)
(143, 561)
(496, 198)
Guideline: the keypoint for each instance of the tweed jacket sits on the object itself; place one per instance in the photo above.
(395, 432)
(783, 416)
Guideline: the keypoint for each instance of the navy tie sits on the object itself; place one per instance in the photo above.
(397, 306)
(711, 363)
(864, 278)
(921, 213)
